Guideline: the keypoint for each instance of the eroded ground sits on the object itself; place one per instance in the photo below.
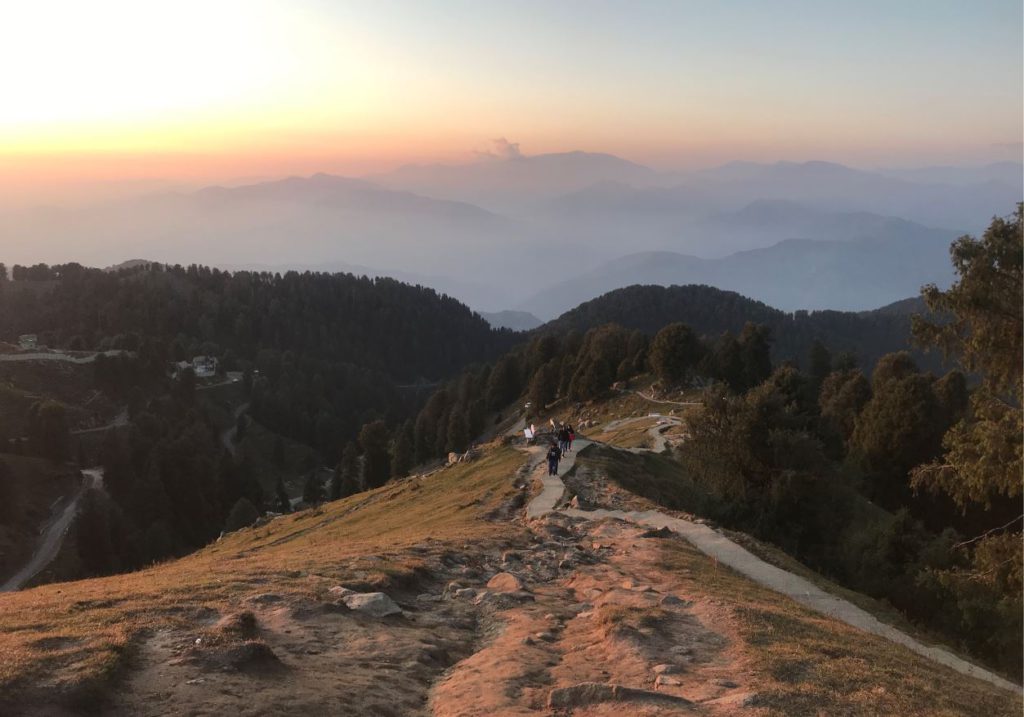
(498, 616)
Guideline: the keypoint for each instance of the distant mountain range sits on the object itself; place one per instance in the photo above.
(515, 320)
(515, 183)
(539, 233)
(850, 275)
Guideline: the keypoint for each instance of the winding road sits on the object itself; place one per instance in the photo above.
(48, 356)
(54, 531)
(717, 546)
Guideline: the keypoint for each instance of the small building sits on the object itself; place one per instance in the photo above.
(204, 366)
(28, 342)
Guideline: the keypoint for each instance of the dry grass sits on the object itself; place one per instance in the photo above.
(808, 664)
(630, 435)
(73, 636)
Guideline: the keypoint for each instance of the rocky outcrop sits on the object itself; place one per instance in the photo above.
(505, 583)
(590, 693)
(375, 604)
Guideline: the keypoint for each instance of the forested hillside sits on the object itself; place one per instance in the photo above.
(319, 355)
(329, 348)
(709, 311)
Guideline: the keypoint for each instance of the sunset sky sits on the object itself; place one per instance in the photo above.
(215, 89)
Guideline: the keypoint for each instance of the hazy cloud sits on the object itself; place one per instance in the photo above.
(501, 148)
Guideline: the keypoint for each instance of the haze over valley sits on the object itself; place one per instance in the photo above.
(543, 233)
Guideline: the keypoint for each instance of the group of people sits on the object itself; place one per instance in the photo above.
(565, 436)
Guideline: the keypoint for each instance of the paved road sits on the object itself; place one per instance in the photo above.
(714, 544)
(227, 436)
(121, 419)
(47, 356)
(53, 534)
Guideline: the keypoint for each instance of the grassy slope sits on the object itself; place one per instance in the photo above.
(70, 636)
(807, 664)
(662, 481)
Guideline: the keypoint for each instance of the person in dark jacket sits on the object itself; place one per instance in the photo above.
(572, 436)
(563, 439)
(554, 455)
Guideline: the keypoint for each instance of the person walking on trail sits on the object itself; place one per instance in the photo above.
(563, 439)
(572, 436)
(554, 455)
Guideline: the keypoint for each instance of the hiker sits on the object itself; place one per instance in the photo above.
(563, 439)
(554, 455)
(572, 437)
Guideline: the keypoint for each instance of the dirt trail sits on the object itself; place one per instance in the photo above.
(717, 546)
(52, 536)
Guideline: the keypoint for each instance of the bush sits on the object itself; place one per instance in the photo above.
(243, 514)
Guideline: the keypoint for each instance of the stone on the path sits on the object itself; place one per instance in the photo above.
(666, 681)
(666, 669)
(585, 693)
(727, 684)
(465, 593)
(340, 591)
(375, 604)
(505, 583)
(264, 598)
(590, 693)
(672, 600)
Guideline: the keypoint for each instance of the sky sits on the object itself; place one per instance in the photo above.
(122, 91)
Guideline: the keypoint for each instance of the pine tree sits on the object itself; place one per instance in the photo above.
(374, 439)
(820, 362)
(313, 491)
(543, 386)
(9, 497)
(402, 451)
(458, 431)
(284, 503)
(347, 473)
(243, 514)
(755, 352)
(674, 353)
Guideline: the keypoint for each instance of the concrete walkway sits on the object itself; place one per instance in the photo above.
(725, 551)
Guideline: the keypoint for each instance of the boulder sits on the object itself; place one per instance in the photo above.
(505, 583)
(585, 693)
(375, 604)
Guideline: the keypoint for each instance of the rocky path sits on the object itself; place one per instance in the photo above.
(729, 553)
